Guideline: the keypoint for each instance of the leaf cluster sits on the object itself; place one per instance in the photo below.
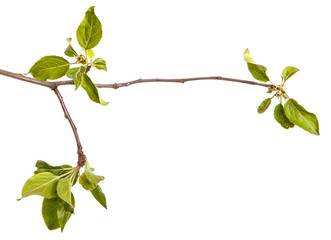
(89, 34)
(54, 183)
(289, 114)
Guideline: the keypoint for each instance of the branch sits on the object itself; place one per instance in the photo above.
(55, 84)
(81, 156)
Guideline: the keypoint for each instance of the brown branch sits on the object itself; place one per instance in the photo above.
(54, 84)
(81, 156)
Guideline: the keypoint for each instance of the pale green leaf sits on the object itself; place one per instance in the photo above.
(86, 184)
(100, 64)
(76, 75)
(90, 88)
(99, 196)
(92, 177)
(64, 190)
(247, 56)
(264, 105)
(281, 118)
(70, 52)
(49, 67)
(289, 72)
(301, 117)
(43, 184)
(90, 53)
(89, 32)
(49, 211)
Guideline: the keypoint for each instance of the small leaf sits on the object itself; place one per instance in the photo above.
(42, 166)
(49, 67)
(64, 190)
(99, 196)
(259, 72)
(92, 177)
(76, 75)
(301, 117)
(90, 88)
(43, 184)
(281, 118)
(247, 56)
(289, 72)
(49, 212)
(264, 105)
(70, 52)
(90, 53)
(86, 184)
(89, 32)
(100, 64)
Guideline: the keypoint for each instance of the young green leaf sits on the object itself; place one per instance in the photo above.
(64, 190)
(100, 64)
(56, 170)
(90, 53)
(76, 75)
(49, 67)
(91, 90)
(49, 211)
(259, 72)
(301, 117)
(281, 118)
(289, 72)
(99, 196)
(89, 32)
(70, 52)
(264, 105)
(92, 177)
(86, 184)
(43, 184)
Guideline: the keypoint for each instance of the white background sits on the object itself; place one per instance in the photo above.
(181, 161)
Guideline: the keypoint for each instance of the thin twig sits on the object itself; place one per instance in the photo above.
(81, 156)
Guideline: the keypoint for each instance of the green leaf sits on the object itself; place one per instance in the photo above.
(76, 75)
(259, 72)
(92, 177)
(49, 211)
(43, 184)
(90, 53)
(289, 72)
(86, 184)
(281, 118)
(64, 190)
(247, 56)
(99, 196)
(49, 67)
(56, 170)
(89, 32)
(90, 88)
(70, 52)
(64, 212)
(264, 105)
(301, 117)
(100, 64)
